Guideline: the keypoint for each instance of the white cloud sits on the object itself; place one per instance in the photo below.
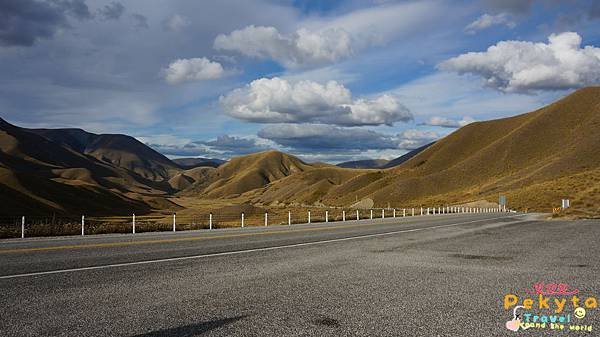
(303, 47)
(521, 66)
(322, 138)
(194, 69)
(487, 21)
(326, 40)
(447, 122)
(222, 147)
(277, 100)
(176, 23)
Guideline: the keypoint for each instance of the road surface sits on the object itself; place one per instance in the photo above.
(443, 275)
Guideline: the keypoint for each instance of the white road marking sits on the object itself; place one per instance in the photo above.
(236, 252)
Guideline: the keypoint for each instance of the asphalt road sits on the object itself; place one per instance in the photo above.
(443, 275)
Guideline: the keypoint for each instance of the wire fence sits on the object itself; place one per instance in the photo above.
(38, 226)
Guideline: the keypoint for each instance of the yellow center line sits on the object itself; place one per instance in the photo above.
(197, 238)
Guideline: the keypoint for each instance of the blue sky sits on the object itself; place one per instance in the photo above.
(324, 80)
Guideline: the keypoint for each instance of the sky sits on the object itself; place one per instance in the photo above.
(327, 81)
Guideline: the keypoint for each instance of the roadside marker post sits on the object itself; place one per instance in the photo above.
(242, 219)
(413, 212)
(326, 216)
(343, 215)
(174, 223)
(22, 227)
(289, 218)
(357, 216)
(266, 219)
(371, 214)
(404, 212)
(308, 216)
(394, 215)
(210, 221)
(82, 225)
(133, 224)
(383, 213)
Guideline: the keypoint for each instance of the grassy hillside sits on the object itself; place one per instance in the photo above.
(534, 159)
(118, 150)
(243, 174)
(40, 176)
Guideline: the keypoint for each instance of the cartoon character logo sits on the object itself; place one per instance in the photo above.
(580, 312)
(515, 323)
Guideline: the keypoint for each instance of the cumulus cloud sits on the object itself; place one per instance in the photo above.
(222, 147)
(521, 66)
(303, 47)
(194, 69)
(112, 11)
(176, 23)
(329, 138)
(447, 122)
(277, 100)
(22, 22)
(486, 21)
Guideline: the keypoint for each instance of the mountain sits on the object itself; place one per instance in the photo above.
(243, 174)
(382, 163)
(405, 157)
(363, 164)
(535, 159)
(118, 150)
(39, 176)
(189, 163)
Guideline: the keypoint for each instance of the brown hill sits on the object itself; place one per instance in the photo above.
(39, 176)
(243, 174)
(118, 150)
(529, 158)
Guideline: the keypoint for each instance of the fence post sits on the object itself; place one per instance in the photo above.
(308, 216)
(357, 216)
(82, 225)
(326, 216)
(343, 215)
(210, 221)
(242, 219)
(22, 227)
(174, 222)
(289, 218)
(371, 214)
(266, 219)
(133, 224)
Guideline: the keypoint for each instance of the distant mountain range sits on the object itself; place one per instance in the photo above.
(189, 163)
(535, 159)
(364, 164)
(382, 163)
